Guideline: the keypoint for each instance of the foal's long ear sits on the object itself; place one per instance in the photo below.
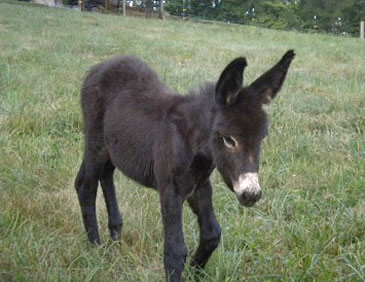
(230, 82)
(267, 86)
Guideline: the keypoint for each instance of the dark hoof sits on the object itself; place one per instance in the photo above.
(94, 239)
(115, 235)
(115, 232)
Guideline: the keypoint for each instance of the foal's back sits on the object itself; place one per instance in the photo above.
(128, 79)
(125, 105)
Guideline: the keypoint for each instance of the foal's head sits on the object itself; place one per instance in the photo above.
(241, 124)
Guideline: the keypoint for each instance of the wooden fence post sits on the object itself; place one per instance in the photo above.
(161, 10)
(148, 8)
(124, 7)
(362, 29)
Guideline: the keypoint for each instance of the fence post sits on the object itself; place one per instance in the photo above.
(362, 29)
(124, 7)
(183, 10)
(161, 10)
(80, 5)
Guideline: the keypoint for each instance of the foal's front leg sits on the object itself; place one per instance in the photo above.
(210, 231)
(174, 247)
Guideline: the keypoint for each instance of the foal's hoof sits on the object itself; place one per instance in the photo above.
(115, 231)
(95, 241)
(115, 235)
(94, 237)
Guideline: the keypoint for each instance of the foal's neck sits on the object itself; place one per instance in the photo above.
(200, 109)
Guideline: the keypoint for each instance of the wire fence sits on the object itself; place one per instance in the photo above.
(272, 14)
(145, 8)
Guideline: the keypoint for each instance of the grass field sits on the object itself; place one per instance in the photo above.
(310, 224)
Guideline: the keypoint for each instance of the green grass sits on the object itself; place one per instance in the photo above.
(310, 224)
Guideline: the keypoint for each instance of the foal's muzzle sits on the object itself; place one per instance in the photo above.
(247, 189)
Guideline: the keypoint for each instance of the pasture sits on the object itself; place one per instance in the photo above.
(310, 222)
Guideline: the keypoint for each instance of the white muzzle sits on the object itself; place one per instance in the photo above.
(247, 188)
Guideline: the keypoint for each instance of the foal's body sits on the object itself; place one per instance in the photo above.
(168, 142)
(125, 104)
(154, 136)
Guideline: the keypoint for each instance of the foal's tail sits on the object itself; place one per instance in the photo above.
(93, 100)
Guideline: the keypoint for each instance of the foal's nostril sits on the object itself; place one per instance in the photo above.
(249, 198)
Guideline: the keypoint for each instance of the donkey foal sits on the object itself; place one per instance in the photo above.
(172, 143)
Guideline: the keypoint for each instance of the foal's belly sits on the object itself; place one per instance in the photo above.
(126, 159)
(129, 141)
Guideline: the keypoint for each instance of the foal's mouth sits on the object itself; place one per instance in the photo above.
(247, 189)
(246, 202)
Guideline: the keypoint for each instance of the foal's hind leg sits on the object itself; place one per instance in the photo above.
(210, 231)
(107, 184)
(86, 185)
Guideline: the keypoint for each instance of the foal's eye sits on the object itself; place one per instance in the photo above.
(230, 142)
